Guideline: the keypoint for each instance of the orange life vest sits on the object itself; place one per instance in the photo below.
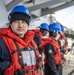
(38, 32)
(62, 37)
(30, 67)
(57, 56)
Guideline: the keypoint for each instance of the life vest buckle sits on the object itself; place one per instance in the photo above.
(20, 56)
(33, 70)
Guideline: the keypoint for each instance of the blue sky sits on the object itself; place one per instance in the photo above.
(66, 17)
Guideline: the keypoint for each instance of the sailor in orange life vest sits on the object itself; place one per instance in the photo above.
(39, 33)
(63, 40)
(51, 50)
(18, 51)
(63, 47)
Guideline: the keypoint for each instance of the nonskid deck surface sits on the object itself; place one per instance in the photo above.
(68, 67)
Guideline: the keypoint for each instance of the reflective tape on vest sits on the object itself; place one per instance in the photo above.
(29, 57)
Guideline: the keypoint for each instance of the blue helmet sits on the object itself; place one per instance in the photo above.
(19, 9)
(44, 26)
(62, 27)
(55, 27)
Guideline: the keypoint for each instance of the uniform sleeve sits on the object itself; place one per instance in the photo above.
(4, 56)
(49, 49)
(38, 41)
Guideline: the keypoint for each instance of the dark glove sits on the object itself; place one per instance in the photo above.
(18, 72)
(62, 51)
(37, 65)
(69, 49)
(40, 49)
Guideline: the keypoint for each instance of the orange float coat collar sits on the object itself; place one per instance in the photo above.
(38, 32)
